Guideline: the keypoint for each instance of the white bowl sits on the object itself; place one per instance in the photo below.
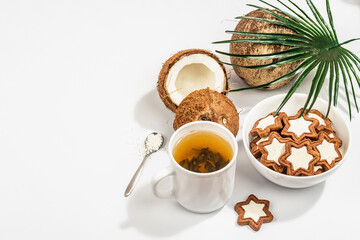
(339, 124)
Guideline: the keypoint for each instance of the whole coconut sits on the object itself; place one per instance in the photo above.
(207, 105)
(256, 77)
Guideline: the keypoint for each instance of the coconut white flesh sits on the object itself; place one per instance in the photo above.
(194, 72)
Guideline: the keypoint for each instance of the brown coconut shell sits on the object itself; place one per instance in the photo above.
(161, 86)
(207, 105)
(256, 77)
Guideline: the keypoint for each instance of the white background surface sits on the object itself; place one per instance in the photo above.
(77, 98)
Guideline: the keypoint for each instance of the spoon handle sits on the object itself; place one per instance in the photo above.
(135, 178)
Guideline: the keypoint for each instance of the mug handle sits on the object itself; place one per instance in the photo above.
(164, 173)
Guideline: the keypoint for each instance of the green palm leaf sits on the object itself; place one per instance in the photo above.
(315, 45)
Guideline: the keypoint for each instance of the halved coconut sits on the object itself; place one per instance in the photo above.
(187, 71)
(207, 105)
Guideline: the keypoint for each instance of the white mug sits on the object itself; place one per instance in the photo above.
(198, 192)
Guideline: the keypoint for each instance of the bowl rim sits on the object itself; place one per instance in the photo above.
(321, 175)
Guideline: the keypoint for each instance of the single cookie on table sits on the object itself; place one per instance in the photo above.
(265, 125)
(300, 158)
(253, 212)
(329, 150)
(299, 128)
(324, 123)
(254, 146)
(271, 150)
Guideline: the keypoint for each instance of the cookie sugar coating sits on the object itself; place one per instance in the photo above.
(300, 158)
(253, 212)
(329, 149)
(300, 127)
(271, 151)
(265, 125)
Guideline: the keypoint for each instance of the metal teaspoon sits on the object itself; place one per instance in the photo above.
(149, 149)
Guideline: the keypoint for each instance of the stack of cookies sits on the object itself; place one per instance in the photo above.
(296, 145)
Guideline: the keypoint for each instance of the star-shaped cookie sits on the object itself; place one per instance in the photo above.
(300, 158)
(324, 123)
(254, 146)
(318, 169)
(329, 150)
(332, 135)
(253, 212)
(265, 125)
(300, 127)
(271, 150)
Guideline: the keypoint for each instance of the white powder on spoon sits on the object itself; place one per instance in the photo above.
(153, 142)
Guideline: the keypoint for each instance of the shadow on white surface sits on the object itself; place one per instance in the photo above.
(355, 2)
(248, 99)
(152, 114)
(159, 217)
(285, 203)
